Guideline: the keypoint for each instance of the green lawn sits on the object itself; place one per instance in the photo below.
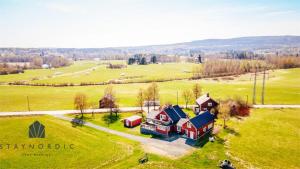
(268, 139)
(92, 149)
(116, 123)
(281, 88)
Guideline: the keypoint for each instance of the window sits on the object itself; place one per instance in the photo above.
(163, 128)
(204, 129)
(162, 117)
(209, 104)
(178, 129)
(188, 125)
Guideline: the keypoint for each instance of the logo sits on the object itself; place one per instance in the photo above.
(36, 130)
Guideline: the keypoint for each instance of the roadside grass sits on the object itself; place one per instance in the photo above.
(267, 139)
(281, 88)
(92, 149)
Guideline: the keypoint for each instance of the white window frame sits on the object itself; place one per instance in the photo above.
(178, 129)
(210, 126)
(209, 104)
(189, 125)
(162, 117)
(204, 129)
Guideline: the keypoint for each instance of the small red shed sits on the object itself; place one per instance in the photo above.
(132, 121)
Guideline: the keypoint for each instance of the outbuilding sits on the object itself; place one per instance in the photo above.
(132, 121)
(199, 125)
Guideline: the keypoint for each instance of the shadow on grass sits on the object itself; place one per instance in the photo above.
(231, 131)
(109, 119)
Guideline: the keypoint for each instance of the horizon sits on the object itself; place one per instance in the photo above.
(149, 44)
(132, 23)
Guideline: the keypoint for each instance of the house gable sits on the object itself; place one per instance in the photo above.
(162, 116)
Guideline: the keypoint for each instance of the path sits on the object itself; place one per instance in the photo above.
(122, 109)
(173, 149)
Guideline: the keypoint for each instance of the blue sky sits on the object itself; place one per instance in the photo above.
(110, 23)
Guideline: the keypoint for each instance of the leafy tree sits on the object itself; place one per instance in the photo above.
(143, 61)
(187, 95)
(80, 103)
(153, 59)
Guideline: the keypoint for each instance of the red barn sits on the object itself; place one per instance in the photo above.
(205, 103)
(199, 125)
(132, 121)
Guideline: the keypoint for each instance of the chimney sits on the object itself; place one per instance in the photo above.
(207, 94)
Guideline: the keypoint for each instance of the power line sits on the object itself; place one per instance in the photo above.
(263, 87)
(254, 88)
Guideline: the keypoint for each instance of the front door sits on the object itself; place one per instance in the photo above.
(191, 135)
(178, 129)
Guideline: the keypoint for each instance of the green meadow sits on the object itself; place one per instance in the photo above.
(282, 87)
(269, 138)
(90, 148)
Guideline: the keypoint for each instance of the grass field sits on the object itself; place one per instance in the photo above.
(36, 74)
(269, 138)
(282, 87)
(91, 148)
(96, 71)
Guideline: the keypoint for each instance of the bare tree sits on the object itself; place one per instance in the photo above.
(111, 96)
(148, 97)
(153, 89)
(187, 95)
(224, 112)
(197, 90)
(80, 102)
(140, 98)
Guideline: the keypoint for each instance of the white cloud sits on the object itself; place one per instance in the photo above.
(65, 8)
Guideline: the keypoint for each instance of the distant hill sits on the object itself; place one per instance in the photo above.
(255, 43)
(241, 43)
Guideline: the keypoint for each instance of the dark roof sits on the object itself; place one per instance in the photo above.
(179, 111)
(172, 114)
(202, 119)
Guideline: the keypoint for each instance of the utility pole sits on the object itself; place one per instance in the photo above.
(28, 103)
(177, 97)
(263, 88)
(254, 88)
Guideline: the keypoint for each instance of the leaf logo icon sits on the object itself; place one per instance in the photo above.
(36, 130)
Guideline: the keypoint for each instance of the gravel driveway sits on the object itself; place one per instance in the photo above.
(173, 149)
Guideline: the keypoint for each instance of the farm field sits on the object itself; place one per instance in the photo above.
(96, 72)
(33, 75)
(14, 98)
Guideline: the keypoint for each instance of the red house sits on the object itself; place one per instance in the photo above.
(199, 125)
(205, 103)
(163, 122)
(132, 121)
